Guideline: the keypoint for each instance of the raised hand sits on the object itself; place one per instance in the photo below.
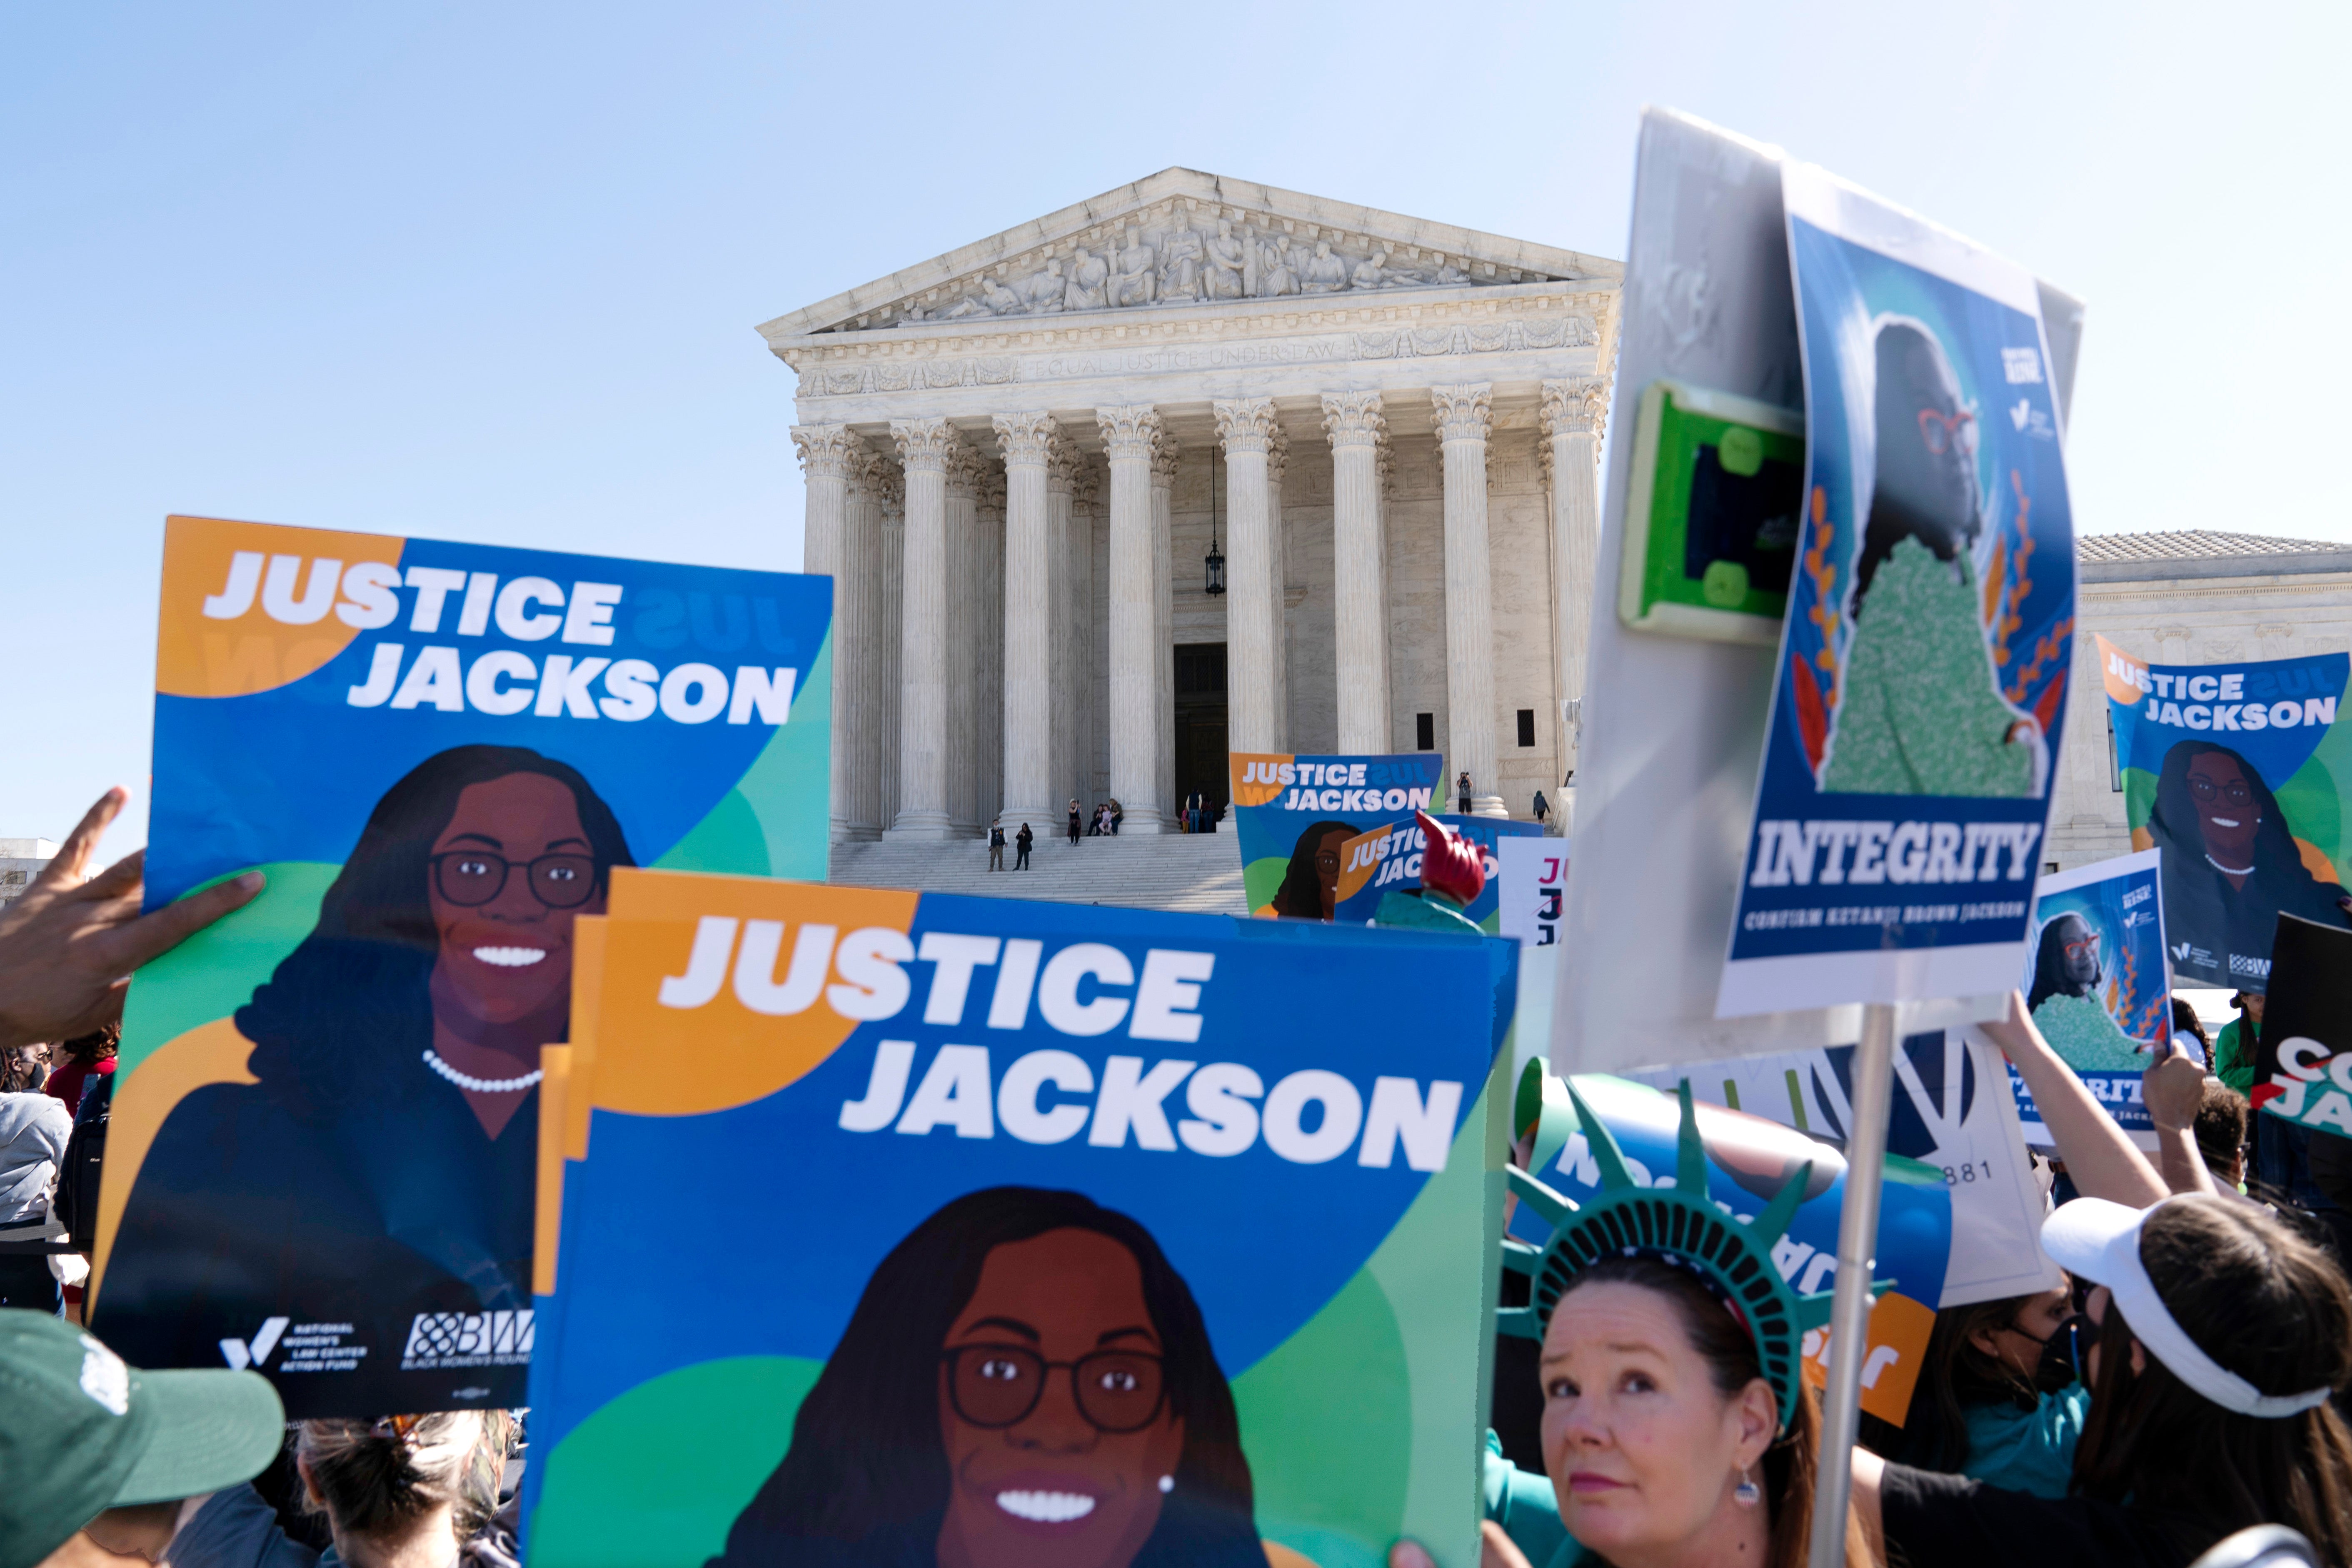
(68, 946)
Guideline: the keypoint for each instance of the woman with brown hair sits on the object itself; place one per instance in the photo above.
(407, 1491)
(2222, 1338)
(79, 1060)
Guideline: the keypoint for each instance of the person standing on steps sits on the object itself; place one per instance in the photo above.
(996, 848)
(1076, 826)
(1543, 808)
(1021, 841)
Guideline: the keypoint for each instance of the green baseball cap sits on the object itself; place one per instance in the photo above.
(80, 1432)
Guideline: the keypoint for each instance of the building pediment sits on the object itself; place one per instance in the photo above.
(1182, 237)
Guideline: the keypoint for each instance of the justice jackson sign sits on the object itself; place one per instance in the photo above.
(2242, 775)
(1293, 815)
(440, 754)
(944, 1149)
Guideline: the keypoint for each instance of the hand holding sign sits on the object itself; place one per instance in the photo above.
(68, 946)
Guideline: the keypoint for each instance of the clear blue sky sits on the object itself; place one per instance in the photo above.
(491, 272)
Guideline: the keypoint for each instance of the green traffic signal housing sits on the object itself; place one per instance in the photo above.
(1679, 1222)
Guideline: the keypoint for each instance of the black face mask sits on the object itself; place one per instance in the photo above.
(2064, 1354)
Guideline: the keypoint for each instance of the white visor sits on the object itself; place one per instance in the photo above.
(2099, 1241)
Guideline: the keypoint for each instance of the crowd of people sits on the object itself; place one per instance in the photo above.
(2185, 1381)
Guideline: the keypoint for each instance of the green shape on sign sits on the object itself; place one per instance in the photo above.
(1352, 1440)
(1320, 1419)
(655, 1478)
(2140, 797)
(789, 785)
(213, 973)
(1741, 450)
(728, 840)
(773, 822)
(1457, 1219)
(1725, 586)
(1262, 879)
(2313, 802)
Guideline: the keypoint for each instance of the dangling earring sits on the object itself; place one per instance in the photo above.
(1167, 1483)
(1747, 1494)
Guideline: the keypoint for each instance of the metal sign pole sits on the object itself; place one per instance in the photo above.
(1865, 1156)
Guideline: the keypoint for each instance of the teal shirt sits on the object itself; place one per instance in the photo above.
(1524, 1504)
(2027, 1450)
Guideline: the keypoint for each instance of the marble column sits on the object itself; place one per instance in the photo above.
(1024, 438)
(1253, 610)
(1383, 462)
(1277, 459)
(1088, 546)
(927, 448)
(1360, 609)
(967, 470)
(1464, 416)
(1573, 412)
(988, 587)
(857, 667)
(889, 644)
(1163, 623)
(1130, 438)
(1064, 588)
(828, 458)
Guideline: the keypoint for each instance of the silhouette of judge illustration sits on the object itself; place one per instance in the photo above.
(2066, 962)
(379, 1161)
(1025, 1382)
(2232, 865)
(1922, 711)
(1310, 886)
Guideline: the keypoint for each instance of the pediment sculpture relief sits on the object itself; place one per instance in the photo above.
(1186, 258)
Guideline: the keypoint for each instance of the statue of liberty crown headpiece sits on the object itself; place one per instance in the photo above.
(1679, 1224)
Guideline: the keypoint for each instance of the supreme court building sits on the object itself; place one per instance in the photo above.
(1033, 461)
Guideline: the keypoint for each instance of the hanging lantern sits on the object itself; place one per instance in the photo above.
(1216, 562)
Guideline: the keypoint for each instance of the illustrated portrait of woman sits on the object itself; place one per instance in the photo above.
(2067, 960)
(2232, 865)
(1025, 1382)
(1922, 711)
(384, 1165)
(2069, 999)
(1310, 889)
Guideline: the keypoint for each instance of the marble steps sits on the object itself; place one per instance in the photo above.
(1200, 873)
